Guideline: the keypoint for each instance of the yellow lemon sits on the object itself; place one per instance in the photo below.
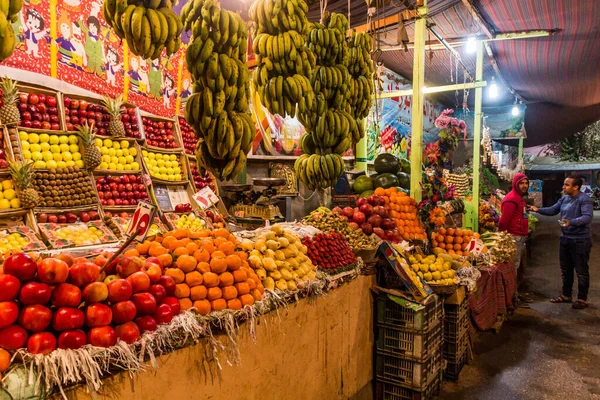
(10, 194)
(7, 184)
(4, 204)
(15, 203)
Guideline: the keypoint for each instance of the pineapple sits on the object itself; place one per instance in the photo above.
(92, 157)
(9, 113)
(113, 107)
(23, 176)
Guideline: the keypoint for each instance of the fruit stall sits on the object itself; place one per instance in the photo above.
(132, 247)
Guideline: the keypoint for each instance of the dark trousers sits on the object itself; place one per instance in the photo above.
(574, 257)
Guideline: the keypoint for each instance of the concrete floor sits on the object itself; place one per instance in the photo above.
(547, 352)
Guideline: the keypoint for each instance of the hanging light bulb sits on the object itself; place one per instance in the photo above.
(471, 45)
(493, 89)
(515, 110)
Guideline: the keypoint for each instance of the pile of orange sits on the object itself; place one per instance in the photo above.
(403, 209)
(454, 241)
(209, 268)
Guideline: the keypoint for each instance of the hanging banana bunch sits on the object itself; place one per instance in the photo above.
(361, 84)
(218, 109)
(284, 63)
(9, 13)
(330, 128)
(149, 26)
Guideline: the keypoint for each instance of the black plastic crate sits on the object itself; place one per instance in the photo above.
(453, 331)
(416, 344)
(385, 390)
(453, 351)
(453, 369)
(392, 313)
(410, 373)
(454, 312)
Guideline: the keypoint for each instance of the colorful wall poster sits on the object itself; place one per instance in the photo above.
(503, 121)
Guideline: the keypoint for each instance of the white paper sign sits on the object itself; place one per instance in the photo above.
(475, 246)
(206, 198)
(142, 220)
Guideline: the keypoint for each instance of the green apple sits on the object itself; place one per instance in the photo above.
(51, 164)
(45, 146)
(55, 148)
(39, 164)
(33, 138)
(63, 139)
(44, 138)
(54, 139)
(47, 155)
(74, 139)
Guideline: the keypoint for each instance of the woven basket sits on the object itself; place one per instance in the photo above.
(443, 289)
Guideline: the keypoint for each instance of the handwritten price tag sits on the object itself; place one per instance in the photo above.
(206, 198)
(475, 246)
(141, 221)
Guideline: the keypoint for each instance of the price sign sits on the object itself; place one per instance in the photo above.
(141, 221)
(206, 198)
(475, 246)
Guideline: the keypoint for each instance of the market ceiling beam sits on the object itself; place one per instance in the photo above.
(435, 89)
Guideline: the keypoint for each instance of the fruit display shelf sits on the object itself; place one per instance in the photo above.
(60, 236)
(119, 192)
(40, 108)
(50, 149)
(186, 220)
(83, 214)
(186, 135)
(160, 133)
(119, 156)
(168, 167)
(78, 108)
(19, 238)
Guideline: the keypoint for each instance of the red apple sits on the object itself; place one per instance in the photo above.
(119, 290)
(145, 303)
(72, 339)
(366, 209)
(66, 258)
(103, 336)
(20, 265)
(367, 228)
(9, 312)
(146, 323)
(9, 287)
(41, 343)
(123, 311)
(128, 265)
(98, 315)
(154, 272)
(13, 337)
(51, 101)
(173, 302)
(66, 295)
(380, 210)
(140, 281)
(163, 314)
(35, 318)
(168, 283)
(85, 217)
(33, 98)
(66, 318)
(159, 293)
(128, 332)
(84, 273)
(375, 221)
(379, 232)
(95, 292)
(358, 217)
(35, 293)
(52, 271)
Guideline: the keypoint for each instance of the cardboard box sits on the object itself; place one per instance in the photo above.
(401, 267)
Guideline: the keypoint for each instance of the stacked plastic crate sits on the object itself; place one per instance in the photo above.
(408, 348)
(457, 345)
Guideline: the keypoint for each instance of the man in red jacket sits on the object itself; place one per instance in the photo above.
(514, 218)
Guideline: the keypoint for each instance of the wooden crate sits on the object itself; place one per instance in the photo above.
(27, 88)
(161, 119)
(138, 158)
(182, 160)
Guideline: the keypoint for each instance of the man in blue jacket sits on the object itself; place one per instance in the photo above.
(576, 212)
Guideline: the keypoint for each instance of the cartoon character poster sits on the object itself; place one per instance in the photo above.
(90, 55)
(32, 30)
(153, 84)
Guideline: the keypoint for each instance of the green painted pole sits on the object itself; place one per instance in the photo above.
(418, 98)
(241, 178)
(360, 157)
(520, 148)
(477, 138)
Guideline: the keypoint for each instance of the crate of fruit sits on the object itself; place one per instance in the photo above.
(118, 156)
(19, 238)
(160, 133)
(187, 135)
(51, 150)
(174, 198)
(117, 192)
(185, 220)
(39, 108)
(112, 118)
(121, 223)
(201, 181)
(77, 234)
(165, 167)
(65, 188)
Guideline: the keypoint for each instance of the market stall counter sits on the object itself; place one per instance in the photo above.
(314, 349)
